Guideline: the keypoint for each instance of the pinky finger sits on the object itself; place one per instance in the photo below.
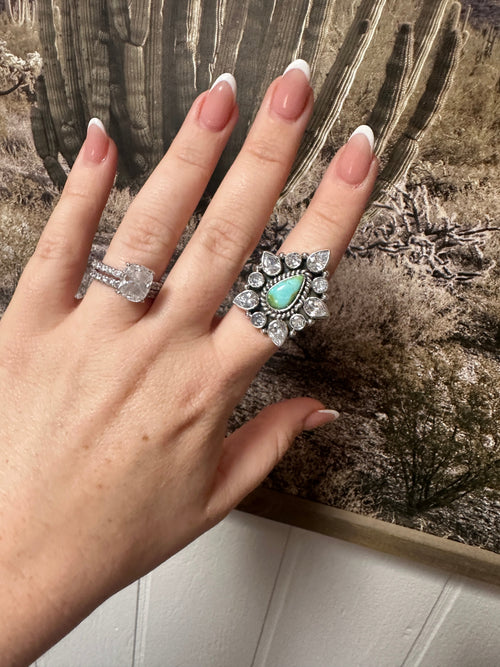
(251, 452)
(53, 274)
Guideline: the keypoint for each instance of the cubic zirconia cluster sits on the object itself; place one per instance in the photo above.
(286, 293)
(135, 282)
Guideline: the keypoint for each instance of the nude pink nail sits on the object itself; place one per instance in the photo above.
(96, 144)
(219, 103)
(356, 158)
(291, 93)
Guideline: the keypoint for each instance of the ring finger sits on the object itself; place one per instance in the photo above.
(153, 224)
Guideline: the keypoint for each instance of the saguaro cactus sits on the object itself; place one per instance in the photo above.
(138, 64)
(21, 11)
(387, 110)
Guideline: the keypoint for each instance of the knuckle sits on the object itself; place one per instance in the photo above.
(326, 215)
(222, 237)
(193, 158)
(146, 236)
(266, 152)
(53, 246)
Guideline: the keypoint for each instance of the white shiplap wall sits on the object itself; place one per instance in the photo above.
(256, 593)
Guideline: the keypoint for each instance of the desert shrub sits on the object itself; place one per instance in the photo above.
(442, 427)
(377, 309)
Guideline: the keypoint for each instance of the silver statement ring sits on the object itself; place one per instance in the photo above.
(135, 282)
(286, 293)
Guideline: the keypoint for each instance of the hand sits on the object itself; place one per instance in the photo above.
(113, 453)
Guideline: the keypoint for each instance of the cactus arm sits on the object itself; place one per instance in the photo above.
(283, 39)
(120, 18)
(209, 41)
(154, 57)
(314, 37)
(426, 29)
(336, 87)
(140, 18)
(44, 135)
(133, 63)
(69, 67)
(393, 91)
(56, 91)
(406, 148)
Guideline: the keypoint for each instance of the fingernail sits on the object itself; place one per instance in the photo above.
(320, 418)
(291, 93)
(219, 103)
(356, 158)
(97, 142)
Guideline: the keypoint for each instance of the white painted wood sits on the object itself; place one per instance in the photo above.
(257, 593)
(340, 605)
(463, 630)
(103, 639)
(206, 605)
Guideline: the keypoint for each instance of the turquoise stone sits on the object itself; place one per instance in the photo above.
(284, 293)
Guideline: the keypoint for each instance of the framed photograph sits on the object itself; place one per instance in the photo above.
(410, 356)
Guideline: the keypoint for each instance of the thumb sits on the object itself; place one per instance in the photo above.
(251, 452)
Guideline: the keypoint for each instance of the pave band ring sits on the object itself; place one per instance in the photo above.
(135, 282)
(286, 293)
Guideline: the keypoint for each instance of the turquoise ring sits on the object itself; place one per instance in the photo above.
(286, 293)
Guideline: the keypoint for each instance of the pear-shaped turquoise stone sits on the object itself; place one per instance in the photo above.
(284, 293)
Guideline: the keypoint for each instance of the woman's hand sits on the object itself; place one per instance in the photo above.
(113, 448)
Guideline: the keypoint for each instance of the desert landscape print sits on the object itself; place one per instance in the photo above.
(410, 356)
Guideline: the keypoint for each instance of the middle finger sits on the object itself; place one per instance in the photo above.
(239, 211)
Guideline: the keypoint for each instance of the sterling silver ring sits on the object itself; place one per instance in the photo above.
(135, 282)
(286, 293)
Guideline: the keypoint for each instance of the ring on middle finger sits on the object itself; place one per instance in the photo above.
(286, 293)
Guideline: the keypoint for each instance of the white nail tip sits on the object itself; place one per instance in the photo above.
(228, 78)
(334, 413)
(96, 121)
(367, 131)
(302, 65)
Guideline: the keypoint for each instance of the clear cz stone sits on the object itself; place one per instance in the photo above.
(246, 300)
(293, 260)
(256, 279)
(298, 322)
(271, 264)
(259, 320)
(315, 308)
(320, 285)
(278, 332)
(317, 261)
(135, 282)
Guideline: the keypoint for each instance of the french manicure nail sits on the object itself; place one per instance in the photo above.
(292, 91)
(97, 142)
(219, 103)
(357, 156)
(320, 418)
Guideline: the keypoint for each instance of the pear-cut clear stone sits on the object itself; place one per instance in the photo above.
(317, 261)
(320, 285)
(271, 264)
(135, 282)
(259, 320)
(246, 300)
(293, 260)
(315, 307)
(278, 332)
(256, 279)
(298, 322)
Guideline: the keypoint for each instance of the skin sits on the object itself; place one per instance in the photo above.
(113, 447)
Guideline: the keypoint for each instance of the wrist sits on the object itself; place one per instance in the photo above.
(44, 593)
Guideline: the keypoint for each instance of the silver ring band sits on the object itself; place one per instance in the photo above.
(135, 282)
